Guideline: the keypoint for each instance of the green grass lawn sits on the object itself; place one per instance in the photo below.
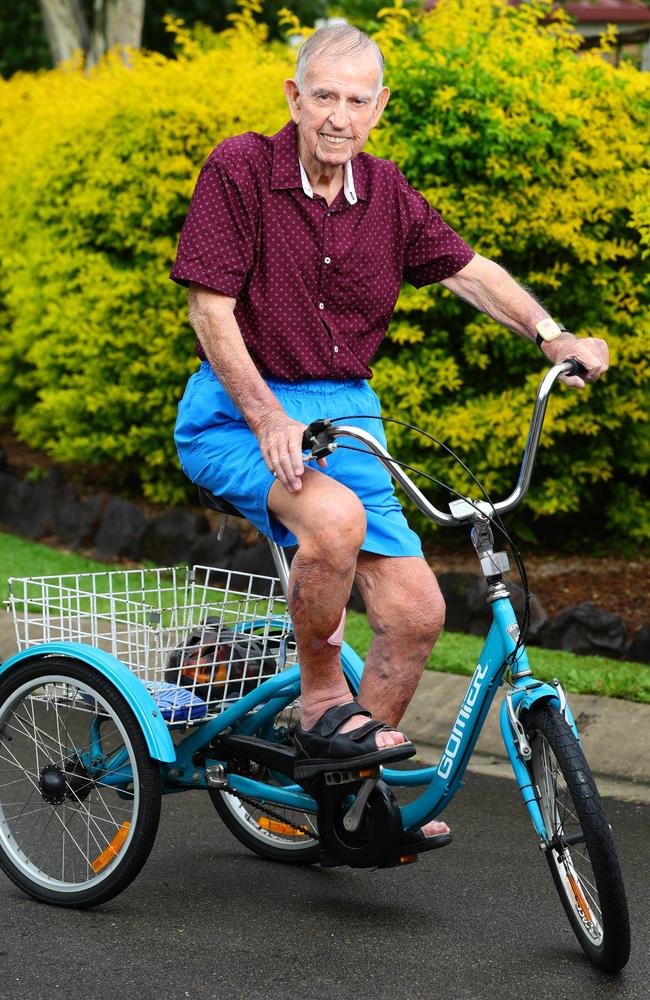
(454, 654)
(20, 557)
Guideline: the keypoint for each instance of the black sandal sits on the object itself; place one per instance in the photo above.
(416, 842)
(323, 748)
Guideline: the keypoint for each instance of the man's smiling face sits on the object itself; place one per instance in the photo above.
(336, 109)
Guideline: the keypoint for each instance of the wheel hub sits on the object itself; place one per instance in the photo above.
(78, 780)
(56, 784)
(53, 785)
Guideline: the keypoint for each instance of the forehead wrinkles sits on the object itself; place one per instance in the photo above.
(344, 75)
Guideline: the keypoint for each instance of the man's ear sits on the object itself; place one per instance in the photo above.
(292, 95)
(382, 101)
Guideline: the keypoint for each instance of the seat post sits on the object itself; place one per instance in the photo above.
(281, 565)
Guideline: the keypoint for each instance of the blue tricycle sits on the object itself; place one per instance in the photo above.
(136, 683)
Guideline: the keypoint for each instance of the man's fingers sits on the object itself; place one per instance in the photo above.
(573, 380)
(295, 453)
(593, 354)
(281, 445)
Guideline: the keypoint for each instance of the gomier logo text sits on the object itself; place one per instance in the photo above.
(465, 714)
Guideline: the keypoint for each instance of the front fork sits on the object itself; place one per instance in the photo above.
(521, 697)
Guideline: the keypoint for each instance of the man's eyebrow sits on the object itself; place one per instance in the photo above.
(326, 91)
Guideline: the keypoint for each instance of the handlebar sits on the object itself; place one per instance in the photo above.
(319, 440)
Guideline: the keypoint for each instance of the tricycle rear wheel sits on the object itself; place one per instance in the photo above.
(79, 793)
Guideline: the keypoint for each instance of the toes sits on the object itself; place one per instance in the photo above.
(435, 828)
(390, 738)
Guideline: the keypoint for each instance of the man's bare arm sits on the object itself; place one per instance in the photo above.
(280, 438)
(488, 286)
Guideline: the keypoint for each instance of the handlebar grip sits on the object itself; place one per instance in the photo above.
(576, 367)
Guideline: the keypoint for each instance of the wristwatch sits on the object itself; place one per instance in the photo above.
(548, 330)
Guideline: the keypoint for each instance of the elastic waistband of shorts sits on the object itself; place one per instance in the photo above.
(314, 387)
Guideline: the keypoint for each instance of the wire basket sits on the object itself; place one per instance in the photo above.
(199, 638)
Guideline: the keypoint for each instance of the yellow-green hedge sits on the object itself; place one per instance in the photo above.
(535, 154)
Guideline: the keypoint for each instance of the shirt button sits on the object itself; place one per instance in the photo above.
(321, 305)
(328, 260)
(336, 350)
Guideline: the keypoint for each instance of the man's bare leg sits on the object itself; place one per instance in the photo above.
(330, 524)
(406, 612)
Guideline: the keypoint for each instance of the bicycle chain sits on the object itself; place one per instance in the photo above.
(270, 812)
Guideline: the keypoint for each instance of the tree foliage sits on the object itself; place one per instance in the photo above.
(537, 156)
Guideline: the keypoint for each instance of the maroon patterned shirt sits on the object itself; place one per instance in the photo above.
(315, 285)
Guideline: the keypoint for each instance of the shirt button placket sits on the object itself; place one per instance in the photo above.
(325, 277)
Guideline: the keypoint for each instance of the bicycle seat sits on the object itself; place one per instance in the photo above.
(209, 499)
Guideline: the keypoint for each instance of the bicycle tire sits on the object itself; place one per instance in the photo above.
(88, 838)
(586, 872)
(260, 831)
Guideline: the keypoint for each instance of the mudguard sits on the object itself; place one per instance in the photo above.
(142, 705)
(528, 691)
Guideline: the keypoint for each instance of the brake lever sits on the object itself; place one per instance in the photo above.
(316, 440)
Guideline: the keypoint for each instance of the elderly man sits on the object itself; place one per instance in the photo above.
(294, 249)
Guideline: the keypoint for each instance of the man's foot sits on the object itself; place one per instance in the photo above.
(325, 746)
(384, 738)
(435, 829)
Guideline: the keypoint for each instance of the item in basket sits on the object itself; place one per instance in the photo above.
(175, 704)
(219, 664)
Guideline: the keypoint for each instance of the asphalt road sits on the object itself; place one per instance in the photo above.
(479, 920)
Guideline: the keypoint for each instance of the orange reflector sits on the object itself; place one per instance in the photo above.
(406, 859)
(370, 773)
(113, 848)
(275, 826)
(580, 899)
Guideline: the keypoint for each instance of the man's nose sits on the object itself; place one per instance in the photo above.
(339, 118)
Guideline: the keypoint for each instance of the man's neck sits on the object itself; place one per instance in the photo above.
(325, 181)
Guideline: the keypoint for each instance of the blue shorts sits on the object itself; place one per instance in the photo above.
(218, 450)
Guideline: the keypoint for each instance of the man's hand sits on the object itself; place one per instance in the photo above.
(280, 441)
(591, 352)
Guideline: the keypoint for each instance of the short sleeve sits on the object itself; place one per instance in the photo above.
(217, 243)
(432, 250)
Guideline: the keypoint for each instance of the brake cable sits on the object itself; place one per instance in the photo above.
(496, 520)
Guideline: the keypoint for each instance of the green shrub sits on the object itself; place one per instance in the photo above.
(536, 155)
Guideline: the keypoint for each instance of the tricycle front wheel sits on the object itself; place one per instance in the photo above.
(79, 793)
(581, 855)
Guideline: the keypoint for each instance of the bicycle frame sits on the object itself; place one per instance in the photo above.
(442, 781)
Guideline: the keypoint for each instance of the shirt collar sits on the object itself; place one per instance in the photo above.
(288, 172)
(348, 183)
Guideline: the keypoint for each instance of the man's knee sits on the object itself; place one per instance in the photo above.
(336, 533)
(327, 518)
(410, 603)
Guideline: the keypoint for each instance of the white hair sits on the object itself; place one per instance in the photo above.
(337, 40)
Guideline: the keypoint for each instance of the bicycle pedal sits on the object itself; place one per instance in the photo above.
(400, 861)
(350, 776)
(407, 853)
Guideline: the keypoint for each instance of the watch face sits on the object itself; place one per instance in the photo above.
(548, 329)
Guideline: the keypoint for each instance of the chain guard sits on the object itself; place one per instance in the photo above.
(371, 844)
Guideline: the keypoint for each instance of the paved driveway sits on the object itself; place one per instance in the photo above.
(479, 920)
